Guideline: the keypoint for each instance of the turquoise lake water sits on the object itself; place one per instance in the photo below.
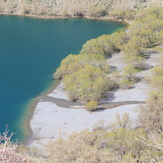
(30, 51)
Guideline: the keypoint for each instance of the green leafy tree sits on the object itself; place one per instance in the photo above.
(92, 46)
(128, 76)
(105, 45)
(118, 39)
(115, 76)
(122, 142)
(73, 63)
(151, 115)
(87, 84)
(129, 72)
(132, 49)
(156, 78)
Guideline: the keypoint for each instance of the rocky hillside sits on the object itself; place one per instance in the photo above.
(69, 8)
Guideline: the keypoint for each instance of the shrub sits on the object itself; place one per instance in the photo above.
(156, 79)
(150, 116)
(78, 148)
(126, 84)
(92, 46)
(115, 79)
(132, 49)
(91, 105)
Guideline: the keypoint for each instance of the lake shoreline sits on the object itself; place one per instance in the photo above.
(30, 109)
(71, 17)
(49, 119)
(31, 105)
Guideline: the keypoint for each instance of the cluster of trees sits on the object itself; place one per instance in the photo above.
(117, 9)
(105, 45)
(86, 84)
(84, 76)
(144, 32)
(152, 114)
(73, 63)
(126, 79)
(117, 142)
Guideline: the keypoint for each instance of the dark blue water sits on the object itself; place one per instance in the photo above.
(30, 52)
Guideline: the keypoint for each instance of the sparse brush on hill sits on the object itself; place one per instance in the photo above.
(115, 9)
(115, 143)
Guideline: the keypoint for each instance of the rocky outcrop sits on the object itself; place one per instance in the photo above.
(66, 8)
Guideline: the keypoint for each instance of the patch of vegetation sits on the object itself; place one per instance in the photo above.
(145, 32)
(151, 114)
(105, 45)
(86, 84)
(73, 63)
(91, 105)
